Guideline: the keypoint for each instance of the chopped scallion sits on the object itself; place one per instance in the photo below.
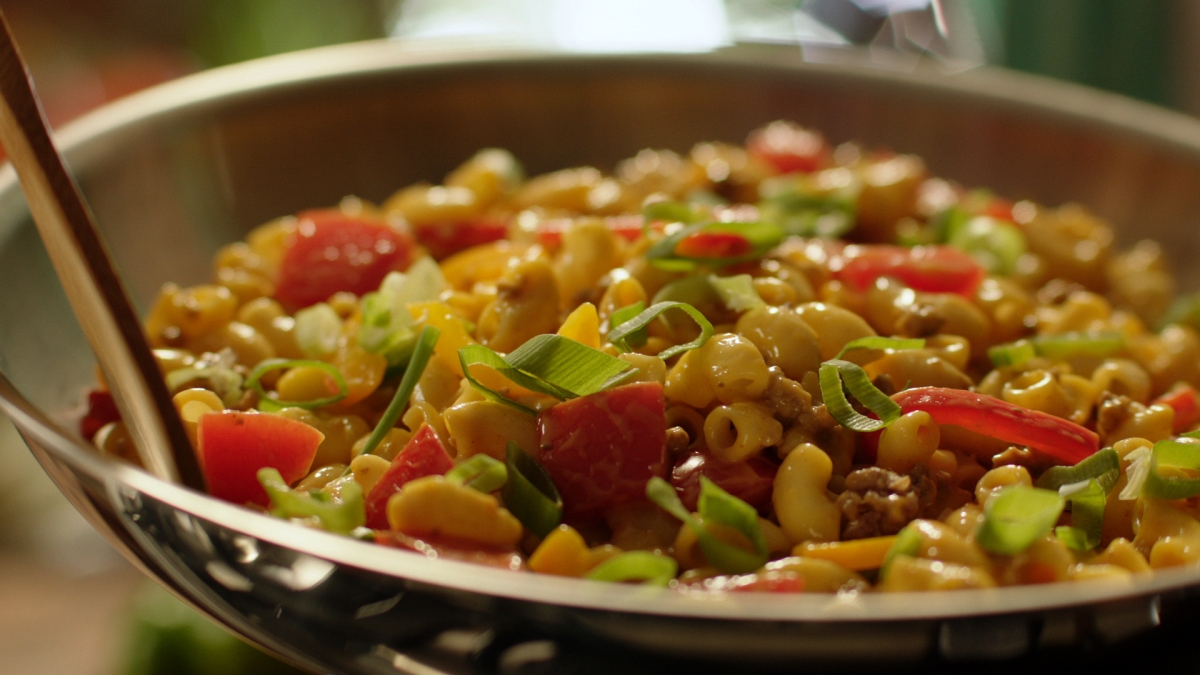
(831, 375)
(317, 330)
(408, 384)
(1103, 466)
(618, 335)
(895, 344)
(529, 493)
(716, 506)
(652, 569)
(638, 337)
(737, 292)
(268, 403)
(480, 472)
(335, 516)
(1177, 455)
(1016, 517)
(1012, 354)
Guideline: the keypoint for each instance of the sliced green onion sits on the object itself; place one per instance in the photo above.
(737, 292)
(695, 290)
(530, 494)
(636, 338)
(1073, 538)
(1071, 345)
(618, 335)
(548, 364)
(480, 472)
(267, 403)
(895, 344)
(1136, 474)
(335, 516)
(1185, 310)
(651, 568)
(1175, 454)
(762, 237)
(408, 384)
(722, 508)
(676, 212)
(317, 330)
(804, 211)
(226, 383)
(831, 375)
(1191, 434)
(387, 326)
(908, 542)
(1012, 354)
(1016, 517)
(994, 243)
(1087, 501)
(1104, 466)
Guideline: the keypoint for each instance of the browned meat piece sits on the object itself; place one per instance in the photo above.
(879, 502)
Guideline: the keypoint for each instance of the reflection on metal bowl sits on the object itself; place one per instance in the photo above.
(177, 171)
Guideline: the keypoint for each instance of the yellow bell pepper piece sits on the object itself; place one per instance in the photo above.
(583, 325)
(857, 554)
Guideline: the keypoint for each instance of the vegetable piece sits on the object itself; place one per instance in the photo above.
(530, 493)
(1012, 354)
(618, 335)
(638, 337)
(907, 542)
(408, 384)
(1103, 466)
(317, 330)
(444, 239)
(480, 472)
(929, 269)
(737, 292)
(789, 147)
(874, 342)
(996, 244)
(341, 516)
(548, 364)
(234, 445)
(422, 456)
(1059, 347)
(224, 381)
(1087, 501)
(856, 554)
(831, 374)
(331, 252)
(750, 481)
(601, 449)
(652, 569)
(1181, 399)
(1017, 516)
(716, 506)
(102, 409)
(1177, 455)
(714, 244)
(387, 325)
(1052, 436)
(268, 403)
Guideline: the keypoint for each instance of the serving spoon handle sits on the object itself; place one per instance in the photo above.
(82, 263)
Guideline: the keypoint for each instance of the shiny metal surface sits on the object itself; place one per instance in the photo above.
(174, 173)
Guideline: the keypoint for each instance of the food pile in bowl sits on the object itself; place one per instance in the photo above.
(781, 367)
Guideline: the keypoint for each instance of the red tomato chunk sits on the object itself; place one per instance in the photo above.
(447, 238)
(234, 445)
(331, 252)
(751, 481)
(102, 409)
(928, 269)
(423, 456)
(602, 449)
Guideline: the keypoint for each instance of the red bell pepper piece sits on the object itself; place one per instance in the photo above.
(234, 445)
(1182, 400)
(789, 148)
(422, 456)
(1053, 436)
(331, 252)
(443, 240)
(713, 245)
(603, 448)
(750, 481)
(627, 227)
(102, 410)
(929, 269)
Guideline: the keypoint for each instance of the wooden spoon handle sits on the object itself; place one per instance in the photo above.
(86, 271)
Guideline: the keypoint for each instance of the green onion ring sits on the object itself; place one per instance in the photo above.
(269, 404)
(832, 373)
(408, 384)
(530, 494)
(651, 568)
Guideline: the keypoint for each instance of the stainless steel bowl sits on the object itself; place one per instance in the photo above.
(177, 171)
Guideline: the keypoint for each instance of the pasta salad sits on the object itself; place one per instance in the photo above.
(780, 366)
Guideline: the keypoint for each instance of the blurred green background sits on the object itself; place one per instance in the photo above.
(68, 604)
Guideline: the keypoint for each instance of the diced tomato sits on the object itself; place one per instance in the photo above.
(443, 240)
(711, 244)
(602, 449)
(751, 481)
(102, 410)
(451, 549)
(627, 227)
(1052, 436)
(331, 252)
(1182, 399)
(929, 269)
(423, 456)
(234, 445)
(789, 147)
